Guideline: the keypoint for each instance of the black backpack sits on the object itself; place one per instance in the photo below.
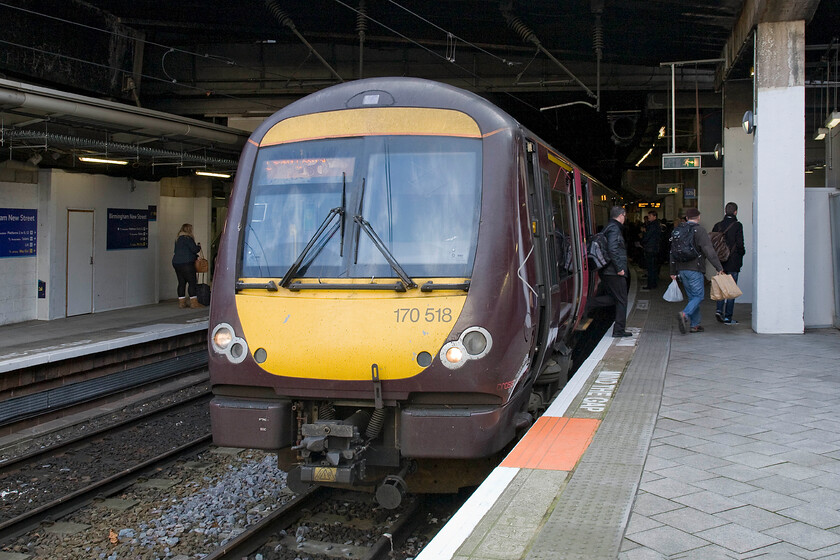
(598, 250)
(683, 248)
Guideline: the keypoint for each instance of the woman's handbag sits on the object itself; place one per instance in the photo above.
(673, 293)
(724, 287)
(201, 264)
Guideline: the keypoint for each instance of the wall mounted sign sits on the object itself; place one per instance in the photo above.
(18, 232)
(127, 229)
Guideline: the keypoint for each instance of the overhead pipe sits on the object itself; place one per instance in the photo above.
(598, 45)
(527, 35)
(361, 27)
(68, 141)
(19, 95)
(284, 19)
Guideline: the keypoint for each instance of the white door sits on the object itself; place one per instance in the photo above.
(79, 262)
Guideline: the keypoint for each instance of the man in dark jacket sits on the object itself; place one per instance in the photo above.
(692, 273)
(615, 273)
(650, 243)
(734, 234)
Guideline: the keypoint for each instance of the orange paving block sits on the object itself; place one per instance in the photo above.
(553, 443)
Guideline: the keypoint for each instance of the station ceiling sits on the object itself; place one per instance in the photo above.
(169, 84)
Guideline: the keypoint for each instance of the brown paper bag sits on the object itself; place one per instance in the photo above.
(724, 287)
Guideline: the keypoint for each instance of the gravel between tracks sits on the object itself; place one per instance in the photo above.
(191, 509)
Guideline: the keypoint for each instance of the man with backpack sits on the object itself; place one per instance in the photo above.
(690, 247)
(614, 273)
(733, 236)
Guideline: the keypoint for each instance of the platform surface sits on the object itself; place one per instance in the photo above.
(37, 342)
(721, 444)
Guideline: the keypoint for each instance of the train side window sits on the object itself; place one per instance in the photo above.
(563, 233)
(588, 226)
(550, 226)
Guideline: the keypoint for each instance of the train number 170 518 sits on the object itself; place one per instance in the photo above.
(430, 315)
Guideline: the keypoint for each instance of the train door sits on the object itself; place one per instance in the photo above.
(543, 247)
(587, 229)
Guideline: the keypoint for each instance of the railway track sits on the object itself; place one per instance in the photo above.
(310, 519)
(51, 483)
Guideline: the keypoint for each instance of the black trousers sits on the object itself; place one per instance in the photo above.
(652, 261)
(186, 275)
(616, 295)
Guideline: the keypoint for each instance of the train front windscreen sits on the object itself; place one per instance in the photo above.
(330, 206)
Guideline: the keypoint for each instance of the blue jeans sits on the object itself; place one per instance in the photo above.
(730, 303)
(695, 290)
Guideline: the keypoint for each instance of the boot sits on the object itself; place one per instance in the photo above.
(182, 303)
(194, 303)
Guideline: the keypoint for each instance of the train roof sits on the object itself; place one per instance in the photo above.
(403, 92)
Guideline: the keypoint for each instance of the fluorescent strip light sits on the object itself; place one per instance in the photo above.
(832, 120)
(644, 157)
(821, 132)
(103, 160)
(211, 174)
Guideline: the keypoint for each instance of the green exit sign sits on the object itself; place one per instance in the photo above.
(682, 161)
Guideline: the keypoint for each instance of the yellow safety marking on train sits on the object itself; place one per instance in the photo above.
(412, 121)
(360, 327)
(325, 474)
(558, 161)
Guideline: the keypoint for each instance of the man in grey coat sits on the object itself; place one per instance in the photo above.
(692, 272)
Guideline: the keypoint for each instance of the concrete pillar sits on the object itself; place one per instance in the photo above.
(779, 178)
(738, 169)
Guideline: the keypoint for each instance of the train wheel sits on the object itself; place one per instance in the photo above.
(294, 482)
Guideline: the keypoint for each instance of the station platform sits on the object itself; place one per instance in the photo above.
(721, 444)
(38, 342)
(50, 369)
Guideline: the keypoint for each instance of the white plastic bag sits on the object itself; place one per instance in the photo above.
(673, 293)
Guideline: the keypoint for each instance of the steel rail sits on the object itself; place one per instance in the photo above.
(10, 464)
(105, 487)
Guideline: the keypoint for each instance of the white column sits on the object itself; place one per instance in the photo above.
(779, 179)
(738, 188)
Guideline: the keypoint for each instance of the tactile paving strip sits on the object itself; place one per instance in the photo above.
(592, 512)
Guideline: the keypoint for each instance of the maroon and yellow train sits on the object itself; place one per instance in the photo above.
(399, 280)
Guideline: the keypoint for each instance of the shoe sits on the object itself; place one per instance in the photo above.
(622, 334)
(194, 303)
(682, 322)
(730, 322)
(698, 328)
(182, 303)
(719, 317)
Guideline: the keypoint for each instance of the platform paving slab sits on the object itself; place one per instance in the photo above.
(767, 404)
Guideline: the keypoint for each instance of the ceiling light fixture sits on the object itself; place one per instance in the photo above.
(103, 160)
(212, 174)
(644, 157)
(833, 119)
(821, 132)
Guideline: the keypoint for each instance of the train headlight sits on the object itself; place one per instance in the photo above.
(474, 343)
(454, 355)
(224, 341)
(222, 337)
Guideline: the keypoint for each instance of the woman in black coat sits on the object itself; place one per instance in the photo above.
(183, 261)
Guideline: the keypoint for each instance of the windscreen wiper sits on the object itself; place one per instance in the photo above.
(365, 226)
(337, 211)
